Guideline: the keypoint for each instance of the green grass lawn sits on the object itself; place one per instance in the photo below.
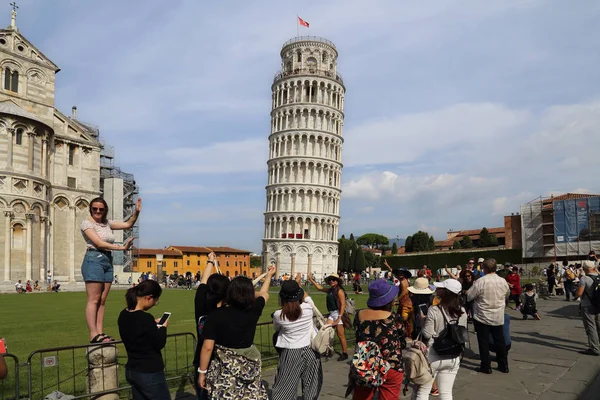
(48, 320)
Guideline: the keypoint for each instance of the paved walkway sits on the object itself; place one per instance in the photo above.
(544, 362)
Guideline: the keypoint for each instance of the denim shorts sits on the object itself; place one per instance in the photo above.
(97, 266)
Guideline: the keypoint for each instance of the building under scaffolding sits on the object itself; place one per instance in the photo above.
(120, 192)
(564, 227)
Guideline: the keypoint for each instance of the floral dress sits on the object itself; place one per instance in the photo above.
(389, 335)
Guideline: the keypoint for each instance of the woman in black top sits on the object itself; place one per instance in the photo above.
(229, 333)
(210, 295)
(144, 340)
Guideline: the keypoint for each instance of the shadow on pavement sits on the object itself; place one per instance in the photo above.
(544, 340)
(570, 311)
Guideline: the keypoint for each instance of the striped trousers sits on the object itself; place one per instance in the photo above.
(298, 366)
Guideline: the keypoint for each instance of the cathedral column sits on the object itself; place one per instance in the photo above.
(278, 266)
(293, 270)
(31, 136)
(9, 158)
(309, 268)
(29, 245)
(50, 252)
(43, 261)
(266, 261)
(71, 235)
(7, 242)
(44, 166)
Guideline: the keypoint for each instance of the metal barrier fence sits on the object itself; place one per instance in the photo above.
(78, 370)
(9, 387)
(75, 369)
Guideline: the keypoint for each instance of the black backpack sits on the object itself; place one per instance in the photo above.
(451, 340)
(595, 297)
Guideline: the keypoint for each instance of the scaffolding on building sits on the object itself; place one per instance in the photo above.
(130, 188)
(130, 195)
(561, 227)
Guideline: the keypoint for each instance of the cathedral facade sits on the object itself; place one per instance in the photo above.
(49, 168)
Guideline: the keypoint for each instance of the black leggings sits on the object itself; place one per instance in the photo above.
(551, 284)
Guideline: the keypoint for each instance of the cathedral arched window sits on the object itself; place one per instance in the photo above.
(19, 136)
(299, 56)
(11, 80)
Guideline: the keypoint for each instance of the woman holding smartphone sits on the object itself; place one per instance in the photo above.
(97, 267)
(144, 340)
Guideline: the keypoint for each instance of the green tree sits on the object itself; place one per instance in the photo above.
(485, 239)
(255, 262)
(394, 248)
(342, 254)
(466, 242)
(408, 245)
(456, 245)
(353, 255)
(359, 260)
(494, 239)
(352, 237)
(370, 259)
(420, 241)
(372, 240)
(431, 243)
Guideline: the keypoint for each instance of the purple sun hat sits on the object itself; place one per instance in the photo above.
(381, 293)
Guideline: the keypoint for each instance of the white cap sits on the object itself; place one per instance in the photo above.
(451, 284)
(480, 259)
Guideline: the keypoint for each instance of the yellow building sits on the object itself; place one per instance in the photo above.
(183, 259)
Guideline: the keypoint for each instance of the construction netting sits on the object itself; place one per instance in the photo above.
(560, 228)
(577, 226)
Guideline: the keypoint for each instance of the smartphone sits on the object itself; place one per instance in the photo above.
(164, 318)
(423, 308)
(3, 349)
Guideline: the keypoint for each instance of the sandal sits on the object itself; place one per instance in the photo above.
(104, 339)
(97, 339)
(434, 392)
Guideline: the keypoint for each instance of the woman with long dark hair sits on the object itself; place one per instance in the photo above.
(210, 295)
(97, 267)
(144, 340)
(235, 368)
(380, 325)
(438, 317)
(336, 305)
(298, 362)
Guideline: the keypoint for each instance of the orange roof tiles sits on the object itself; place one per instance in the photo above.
(153, 252)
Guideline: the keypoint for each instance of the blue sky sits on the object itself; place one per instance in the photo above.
(456, 111)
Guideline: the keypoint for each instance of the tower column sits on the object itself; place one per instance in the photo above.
(7, 243)
(9, 157)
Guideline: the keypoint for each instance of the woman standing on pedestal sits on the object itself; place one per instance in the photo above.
(97, 268)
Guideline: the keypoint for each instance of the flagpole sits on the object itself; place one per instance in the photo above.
(297, 26)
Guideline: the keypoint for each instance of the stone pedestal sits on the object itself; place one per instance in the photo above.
(102, 371)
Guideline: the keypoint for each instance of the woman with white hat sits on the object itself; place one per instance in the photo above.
(336, 305)
(444, 366)
(420, 294)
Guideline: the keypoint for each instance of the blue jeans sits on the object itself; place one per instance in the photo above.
(568, 289)
(148, 385)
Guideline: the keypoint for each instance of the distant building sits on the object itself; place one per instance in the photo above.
(564, 227)
(183, 259)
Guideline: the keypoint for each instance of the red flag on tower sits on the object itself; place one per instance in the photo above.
(302, 22)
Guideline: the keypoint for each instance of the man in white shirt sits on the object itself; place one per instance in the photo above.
(489, 296)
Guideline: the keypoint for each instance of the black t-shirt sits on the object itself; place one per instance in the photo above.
(232, 327)
(200, 308)
(143, 341)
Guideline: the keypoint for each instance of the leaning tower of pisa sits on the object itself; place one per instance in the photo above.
(305, 160)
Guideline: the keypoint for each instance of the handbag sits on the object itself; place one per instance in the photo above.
(451, 340)
(322, 339)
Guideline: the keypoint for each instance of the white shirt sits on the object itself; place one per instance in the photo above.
(489, 293)
(296, 334)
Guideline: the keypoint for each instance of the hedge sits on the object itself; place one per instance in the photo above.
(437, 260)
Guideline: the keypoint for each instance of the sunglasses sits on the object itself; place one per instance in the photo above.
(97, 209)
